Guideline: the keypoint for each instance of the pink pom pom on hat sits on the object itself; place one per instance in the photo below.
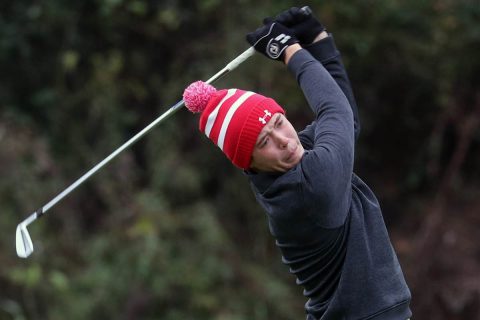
(197, 95)
(231, 118)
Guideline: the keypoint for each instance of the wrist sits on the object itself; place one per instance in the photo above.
(322, 35)
(290, 51)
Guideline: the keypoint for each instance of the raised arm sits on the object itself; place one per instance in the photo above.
(326, 168)
(313, 37)
(324, 50)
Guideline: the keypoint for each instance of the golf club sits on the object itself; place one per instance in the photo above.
(24, 243)
(23, 240)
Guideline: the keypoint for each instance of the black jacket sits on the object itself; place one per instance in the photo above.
(326, 221)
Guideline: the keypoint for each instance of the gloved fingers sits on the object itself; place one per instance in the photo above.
(292, 17)
(268, 20)
(259, 33)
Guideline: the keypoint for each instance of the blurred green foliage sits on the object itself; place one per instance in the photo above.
(170, 229)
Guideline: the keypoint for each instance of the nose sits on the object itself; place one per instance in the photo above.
(282, 141)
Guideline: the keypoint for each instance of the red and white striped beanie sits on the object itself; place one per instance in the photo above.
(231, 118)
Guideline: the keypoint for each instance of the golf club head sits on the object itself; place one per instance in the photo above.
(23, 241)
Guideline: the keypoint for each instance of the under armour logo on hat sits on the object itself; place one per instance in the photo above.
(263, 119)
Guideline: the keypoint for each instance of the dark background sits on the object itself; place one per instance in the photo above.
(170, 229)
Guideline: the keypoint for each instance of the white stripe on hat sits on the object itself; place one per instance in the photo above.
(213, 116)
(229, 116)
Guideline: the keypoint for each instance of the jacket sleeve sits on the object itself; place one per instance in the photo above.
(327, 168)
(326, 52)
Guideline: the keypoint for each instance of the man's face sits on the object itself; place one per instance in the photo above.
(278, 148)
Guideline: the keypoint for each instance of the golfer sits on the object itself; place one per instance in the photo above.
(326, 221)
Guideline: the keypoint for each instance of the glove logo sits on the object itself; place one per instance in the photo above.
(276, 46)
(273, 50)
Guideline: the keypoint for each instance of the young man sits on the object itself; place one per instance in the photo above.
(325, 219)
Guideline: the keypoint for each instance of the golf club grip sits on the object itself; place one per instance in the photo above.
(232, 64)
(241, 58)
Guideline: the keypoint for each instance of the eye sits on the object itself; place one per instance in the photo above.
(278, 122)
(264, 142)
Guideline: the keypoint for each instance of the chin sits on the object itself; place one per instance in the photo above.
(296, 157)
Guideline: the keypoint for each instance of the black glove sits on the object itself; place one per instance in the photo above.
(271, 40)
(301, 22)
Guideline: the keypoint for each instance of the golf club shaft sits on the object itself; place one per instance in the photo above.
(229, 67)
